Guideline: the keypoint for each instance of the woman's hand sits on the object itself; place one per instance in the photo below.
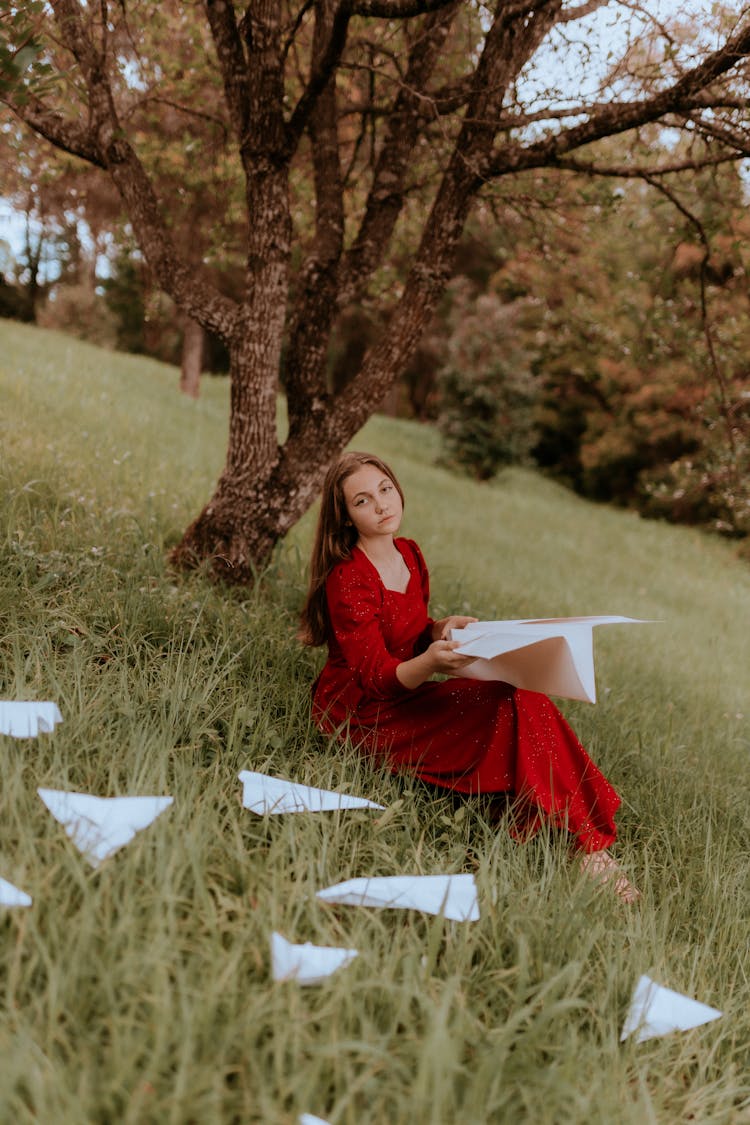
(443, 657)
(441, 630)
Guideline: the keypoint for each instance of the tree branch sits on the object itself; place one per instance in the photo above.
(621, 116)
(581, 10)
(232, 62)
(112, 151)
(69, 136)
(323, 67)
(386, 195)
(310, 331)
(636, 171)
(395, 9)
(724, 133)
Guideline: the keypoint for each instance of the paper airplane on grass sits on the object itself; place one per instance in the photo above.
(264, 794)
(310, 1119)
(27, 720)
(453, 896)
(308, 963)
(655, 1010)
(11, 896)
(554, 655)
(100, 826)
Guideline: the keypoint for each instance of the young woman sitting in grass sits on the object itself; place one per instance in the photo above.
(368, 601)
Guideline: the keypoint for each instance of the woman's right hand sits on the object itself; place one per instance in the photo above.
(444, 658)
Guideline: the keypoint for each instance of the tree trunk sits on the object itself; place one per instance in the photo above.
(235, 532)
(192, 357)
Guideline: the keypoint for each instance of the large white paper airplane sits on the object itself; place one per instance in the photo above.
(553, 655)
(308, 963)
(11, 896)
(100, 826)
(453, 896)
(27, 719)
(311, 1119)
(655, 1010)
(264, 794)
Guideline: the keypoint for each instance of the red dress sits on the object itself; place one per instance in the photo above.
(470, 736)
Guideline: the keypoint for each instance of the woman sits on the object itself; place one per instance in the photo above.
(368, 601)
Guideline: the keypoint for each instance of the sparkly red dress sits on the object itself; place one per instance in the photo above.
(470, 736)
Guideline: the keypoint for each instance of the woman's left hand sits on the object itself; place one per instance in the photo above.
(441, 630)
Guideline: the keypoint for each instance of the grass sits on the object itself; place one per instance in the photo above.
(141, 993)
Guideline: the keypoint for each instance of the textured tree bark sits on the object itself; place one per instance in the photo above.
(193, 336)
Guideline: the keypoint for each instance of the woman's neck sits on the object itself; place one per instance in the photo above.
(380, 549)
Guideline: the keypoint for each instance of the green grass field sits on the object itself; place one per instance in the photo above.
(142, 993)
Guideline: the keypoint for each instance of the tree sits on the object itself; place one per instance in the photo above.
(348, 118)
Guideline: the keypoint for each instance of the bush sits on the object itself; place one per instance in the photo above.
(80, 311)
(488, 393)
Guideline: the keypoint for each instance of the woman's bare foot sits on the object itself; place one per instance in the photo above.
(603, 869)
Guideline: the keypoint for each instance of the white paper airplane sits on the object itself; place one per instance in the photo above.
(28, 719)
(655, 1010)
(100, 826)
(11, 896)
(308, 963)
(453, 896)
(553, 655)
(264, 794)
(310, 1119)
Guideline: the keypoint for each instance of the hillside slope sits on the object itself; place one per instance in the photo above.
(142, 992)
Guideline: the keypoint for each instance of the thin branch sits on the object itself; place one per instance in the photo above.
(582, 10)
(723, 133)
(188, 110)
(308, 4)
(636, 171)
(395, 9)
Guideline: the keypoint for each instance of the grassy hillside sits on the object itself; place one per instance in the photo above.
(142, 992)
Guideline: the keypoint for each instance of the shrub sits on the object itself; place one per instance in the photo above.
(80, 311)
(488, 393)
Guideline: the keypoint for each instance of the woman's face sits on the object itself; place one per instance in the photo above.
(372, 502)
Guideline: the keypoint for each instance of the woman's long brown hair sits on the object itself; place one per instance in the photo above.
(334, 538)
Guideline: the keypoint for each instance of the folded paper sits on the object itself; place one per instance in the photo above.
(453, 896)
(308, 963)
(655, 1010)
(11, 896)
(264, 794)
(100, 826)
(310, 1119)
(27, 720)
(553, 655)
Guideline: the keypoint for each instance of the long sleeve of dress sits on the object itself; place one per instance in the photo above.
(355, 605)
